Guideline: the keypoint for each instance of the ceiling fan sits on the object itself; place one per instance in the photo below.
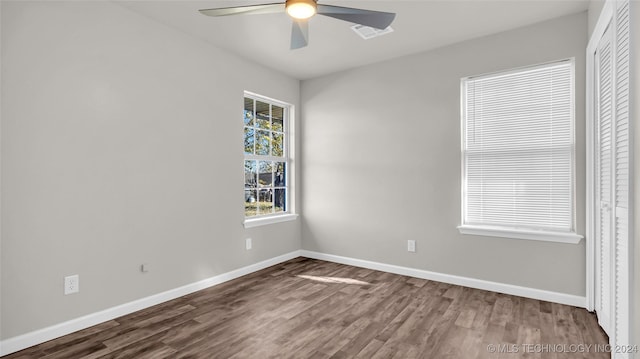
(302, 10)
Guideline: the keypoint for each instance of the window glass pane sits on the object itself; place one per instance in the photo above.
(248, 112)
(278, 118)
(265, 173)
(263, 143)
(250, 202)
(250, 174)
(278, 144)
(279, 200)
(279, 175)
(262, 115)
(249, 140)
(265, 201)
(265, 139)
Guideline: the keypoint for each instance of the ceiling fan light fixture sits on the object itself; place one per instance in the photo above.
(301, 9)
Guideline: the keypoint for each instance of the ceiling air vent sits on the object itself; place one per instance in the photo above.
(367, 32)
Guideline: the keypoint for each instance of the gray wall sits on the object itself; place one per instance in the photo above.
(595, 8)
(381, 161)
(121, 145)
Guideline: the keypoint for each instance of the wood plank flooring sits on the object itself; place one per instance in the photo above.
(307, 308)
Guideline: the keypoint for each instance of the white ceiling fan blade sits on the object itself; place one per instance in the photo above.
(245, 10)
(377, 19)
(299, 34)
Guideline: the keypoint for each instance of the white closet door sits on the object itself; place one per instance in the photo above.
(604, 174)
(621, 155)
(611, 60)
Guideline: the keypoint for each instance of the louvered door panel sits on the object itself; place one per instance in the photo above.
(604, 168)
(621, 282)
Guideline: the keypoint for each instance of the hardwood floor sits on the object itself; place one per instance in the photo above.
(307, 308)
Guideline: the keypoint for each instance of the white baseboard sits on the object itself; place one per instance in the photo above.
(511, 289)
(24, 341)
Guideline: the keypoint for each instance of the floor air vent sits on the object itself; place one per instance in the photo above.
(367, 32)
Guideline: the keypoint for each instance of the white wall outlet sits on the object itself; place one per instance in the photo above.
(71, 284)
(144, 268)
(247, 243)
(411, 245)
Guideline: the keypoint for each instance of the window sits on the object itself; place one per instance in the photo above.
(518, 154)
(266, 160)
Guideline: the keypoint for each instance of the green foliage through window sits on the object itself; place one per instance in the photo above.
(265, 164)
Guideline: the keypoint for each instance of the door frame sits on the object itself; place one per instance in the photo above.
(606, 17)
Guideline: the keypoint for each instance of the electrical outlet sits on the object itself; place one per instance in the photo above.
(71, 284)
(248, 243)
(144, 268)
(411, 245)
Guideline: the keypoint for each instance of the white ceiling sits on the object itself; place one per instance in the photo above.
(420, 25)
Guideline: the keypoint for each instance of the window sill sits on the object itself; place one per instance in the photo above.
(262, 221)
(560, 237)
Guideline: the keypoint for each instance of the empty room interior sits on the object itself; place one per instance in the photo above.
(319, 179)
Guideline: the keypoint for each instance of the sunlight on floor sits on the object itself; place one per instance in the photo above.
(333, 280)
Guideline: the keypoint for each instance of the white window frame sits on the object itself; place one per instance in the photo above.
(509, 231)
(289, 214)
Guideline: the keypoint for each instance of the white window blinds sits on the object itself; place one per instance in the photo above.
(518, 149)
